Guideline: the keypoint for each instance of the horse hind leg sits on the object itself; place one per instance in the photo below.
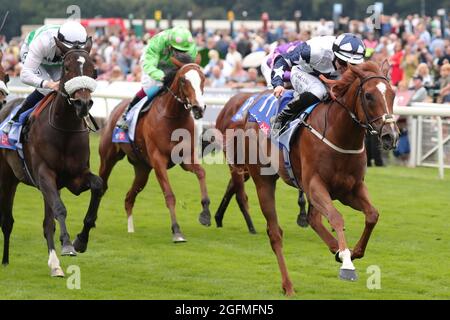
(140, 181)
(229, 192)
(242, 199)
(302, 219)
(110, 154)
(7, 193)
(265, 187)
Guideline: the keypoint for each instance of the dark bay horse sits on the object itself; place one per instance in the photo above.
(154, 142)
(329, 162)
(56, 150)
(236, 185)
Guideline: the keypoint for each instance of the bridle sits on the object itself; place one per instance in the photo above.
(184, 100)
(368, 124)
(67, 96)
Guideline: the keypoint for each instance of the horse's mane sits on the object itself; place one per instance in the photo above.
(349, 77)
(172, 72)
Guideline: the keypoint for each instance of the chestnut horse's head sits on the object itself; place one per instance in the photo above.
(368, 86)
(189, 85)
(78, 76)
(4, 79)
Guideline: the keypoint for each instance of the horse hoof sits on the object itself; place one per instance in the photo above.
(289, 292)
(68, 251)
(205, 219)
(219, 223)
(179, 238)
(252, 231)
(348, 275)
(57, 272)
(302, 221)
(79, 245)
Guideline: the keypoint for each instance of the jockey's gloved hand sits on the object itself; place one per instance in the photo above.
(278, 91)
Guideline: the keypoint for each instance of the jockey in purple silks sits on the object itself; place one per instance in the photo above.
(267, 65)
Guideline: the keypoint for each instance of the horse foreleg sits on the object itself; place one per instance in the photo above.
(94, 183)
(360, 201)
(205, 215)
(160, 167)
(8, 186)
(265, 187)
(321, 200)
(49, 233)
(141, 174)
(224, 204)
(302, 219)
(48, 187)
(315, 221)
(242, 199)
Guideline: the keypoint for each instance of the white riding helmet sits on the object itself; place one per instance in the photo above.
(349, 48)
(72, 34)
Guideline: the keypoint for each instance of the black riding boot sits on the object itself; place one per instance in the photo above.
(122, 123)
(294, 108)
(29, 103)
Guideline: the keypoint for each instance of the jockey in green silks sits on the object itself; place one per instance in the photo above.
(160, 48)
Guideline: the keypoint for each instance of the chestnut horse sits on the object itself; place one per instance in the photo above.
(56, 152)
(154, 143)
(236, 185)
(329, 161)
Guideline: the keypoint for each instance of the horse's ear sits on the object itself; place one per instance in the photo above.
(176, 62)
(61, 46)
(385, 67)
(88, 45)
(198, 59)
(356, 70)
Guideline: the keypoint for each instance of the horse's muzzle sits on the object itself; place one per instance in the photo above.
(198, 112)
(389, 140)
(82, 107)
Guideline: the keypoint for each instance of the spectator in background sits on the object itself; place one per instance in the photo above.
(424, 72)
(395, 61)
(116, 74)
(135, 75)
(409, 64)
(445, 83)
(420, 93)
(216, 78)
(233, 56)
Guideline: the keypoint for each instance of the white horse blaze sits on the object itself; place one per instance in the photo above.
(194, 78)
(82, 61)
(381, 86)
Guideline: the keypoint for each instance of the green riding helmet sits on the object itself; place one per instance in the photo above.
(181, 39)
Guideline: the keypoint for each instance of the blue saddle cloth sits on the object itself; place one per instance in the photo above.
(11, 141)
(261, 109)
(127, 136)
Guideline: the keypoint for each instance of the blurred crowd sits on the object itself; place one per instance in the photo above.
(414, 46)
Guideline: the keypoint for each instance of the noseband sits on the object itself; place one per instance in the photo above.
(368, 125)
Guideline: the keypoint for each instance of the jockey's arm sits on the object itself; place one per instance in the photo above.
(33, 61)
(152, 57)
(282, 65)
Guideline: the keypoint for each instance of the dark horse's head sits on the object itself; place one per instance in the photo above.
(77, 80)
(187, 84)
(4, 79)
(367, 85)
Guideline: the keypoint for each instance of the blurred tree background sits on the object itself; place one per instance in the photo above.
(34, 12)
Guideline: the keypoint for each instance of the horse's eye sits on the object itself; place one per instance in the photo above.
(369, 96)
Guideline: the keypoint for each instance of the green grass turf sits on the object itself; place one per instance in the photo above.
(411, 244)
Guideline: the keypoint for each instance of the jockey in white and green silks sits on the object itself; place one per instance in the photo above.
(160, 48)
(42, 60)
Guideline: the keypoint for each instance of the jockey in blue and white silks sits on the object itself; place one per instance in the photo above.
(326, 55)
(42, 60)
